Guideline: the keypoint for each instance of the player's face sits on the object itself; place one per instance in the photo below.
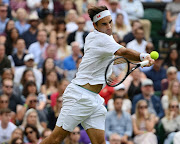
(104, 25)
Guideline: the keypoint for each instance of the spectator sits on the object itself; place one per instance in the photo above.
(31, 88)
(63, 49)
(38, 48)
(172, 93)
(6, 127)
(17, 141)
(8, 74)
(51, 85)
(130, 36)
(2, 39)
(156, 74)
(154, 103)
(60, 26)
(172, 59)
(14, 99)
(69, 5)
(171, 74)
(59, 9)
(16, 5)
(36, 4)
(29, 63)
(172, 9)
(138, 44)
(73, 137)
(119, 121)
(31, 117)
(79, 35)
(114, 139)
(18, 56)
(10, 25)
(133, 8)
(121, 92)
(27, 76)
(21, 23)
(143, 124)
(61, 88)
(53, 113)
(135, 11)
(89, 24)
(48, 65)
(70, 61)
(4, 103)
(135, 85)
(17, 133)
(48, 23)
(51, 52)
(171, 122)
(46, 133)
(30, 35)
(70, 20)
(120, 27)
(10, 43)
(4, 61)
(32, 134)
(114, 9)
(43, 10)
(3, 17)
(104, 2)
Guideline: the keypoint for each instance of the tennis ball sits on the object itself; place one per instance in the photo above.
(154, 55)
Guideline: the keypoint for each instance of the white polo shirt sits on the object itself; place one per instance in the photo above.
(99, 49)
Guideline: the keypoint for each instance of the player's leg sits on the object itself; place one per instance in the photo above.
(95, 125)
(56, 137)
(96, 136)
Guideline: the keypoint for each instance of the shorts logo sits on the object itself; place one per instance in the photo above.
(98, 16)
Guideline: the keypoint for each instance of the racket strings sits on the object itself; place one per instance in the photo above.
(118, 71)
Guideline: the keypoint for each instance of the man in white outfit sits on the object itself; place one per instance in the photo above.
(81, 101)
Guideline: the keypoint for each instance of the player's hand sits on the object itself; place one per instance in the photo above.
(151, 61)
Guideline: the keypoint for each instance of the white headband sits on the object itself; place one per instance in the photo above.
(101, 15)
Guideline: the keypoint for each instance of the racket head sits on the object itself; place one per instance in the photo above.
(116, 71)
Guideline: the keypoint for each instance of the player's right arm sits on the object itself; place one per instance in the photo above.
(132, 55)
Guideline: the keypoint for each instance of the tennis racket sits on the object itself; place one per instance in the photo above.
(119, 68)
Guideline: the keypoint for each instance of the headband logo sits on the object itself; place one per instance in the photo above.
(98, 16)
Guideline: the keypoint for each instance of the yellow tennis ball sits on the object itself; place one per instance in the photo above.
(154, 55)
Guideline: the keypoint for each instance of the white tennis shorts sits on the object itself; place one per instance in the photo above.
(81, 106)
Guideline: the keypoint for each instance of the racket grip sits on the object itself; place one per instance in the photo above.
(143, 63)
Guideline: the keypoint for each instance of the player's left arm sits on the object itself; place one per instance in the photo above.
(132, 55)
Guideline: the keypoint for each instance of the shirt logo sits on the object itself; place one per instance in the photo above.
(98, 16)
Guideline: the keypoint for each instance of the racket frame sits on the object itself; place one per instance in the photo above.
(127, 73)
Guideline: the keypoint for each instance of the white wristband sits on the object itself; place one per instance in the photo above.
(143, 55)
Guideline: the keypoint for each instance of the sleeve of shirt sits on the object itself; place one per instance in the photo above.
(108, 44)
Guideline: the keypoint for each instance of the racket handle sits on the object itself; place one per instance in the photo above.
(143, 63)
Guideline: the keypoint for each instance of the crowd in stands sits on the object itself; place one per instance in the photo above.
(41, 47)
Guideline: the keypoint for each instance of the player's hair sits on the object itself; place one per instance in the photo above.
(95, 10)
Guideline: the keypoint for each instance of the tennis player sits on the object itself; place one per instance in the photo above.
(81, 101)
